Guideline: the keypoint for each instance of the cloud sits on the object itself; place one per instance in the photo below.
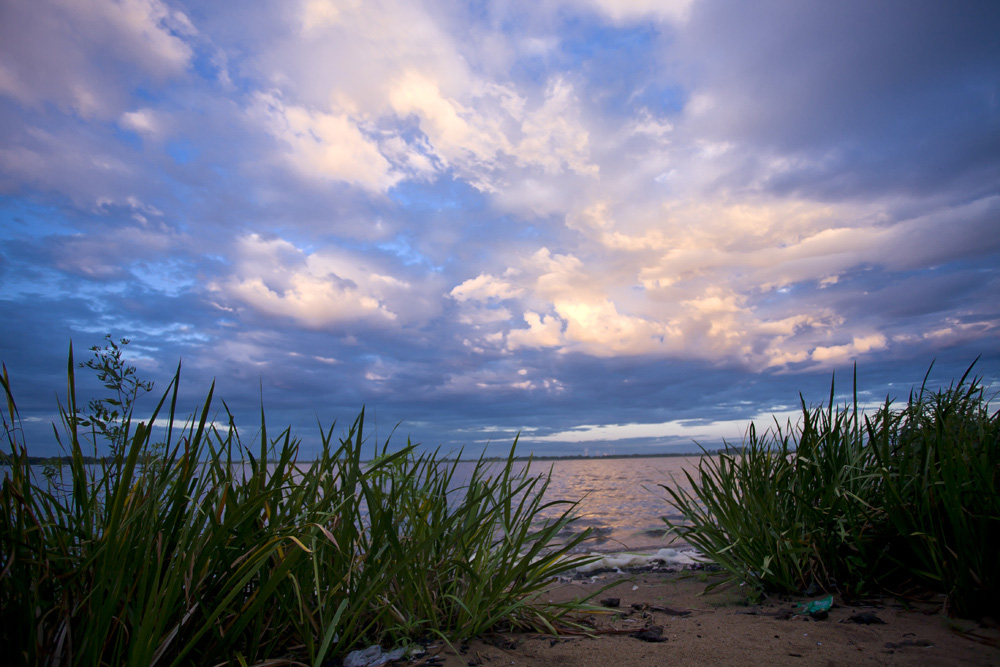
(484, 287)
(705, 296)
(473, 211)
(85, 57)
(317, 14)
(65, 162)
(632, 10)
(877, 96)
(554, 137)
(320, 145)
(410, 105)
(500, 380)
(145, 121)
(842, 353)
(476, 134)
(771, 247)
(326, 289)
(447, 123)
(110, 259)
(542, 331)
(697, 432)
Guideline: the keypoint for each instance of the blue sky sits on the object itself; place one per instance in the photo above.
(611, 225)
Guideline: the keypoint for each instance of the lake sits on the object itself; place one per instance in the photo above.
(620, 499)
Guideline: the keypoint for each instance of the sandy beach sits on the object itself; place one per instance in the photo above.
(663, 618)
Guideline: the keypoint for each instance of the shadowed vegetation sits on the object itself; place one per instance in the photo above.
(196, 548)
(847, 502)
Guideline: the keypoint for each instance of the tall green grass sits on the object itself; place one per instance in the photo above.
(855, 503)
(217, 551)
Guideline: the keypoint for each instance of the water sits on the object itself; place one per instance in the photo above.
(620, 499)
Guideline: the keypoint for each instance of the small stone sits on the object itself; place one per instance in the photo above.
(913, 643)
(864, 618)
(653, 633)
(611, 602)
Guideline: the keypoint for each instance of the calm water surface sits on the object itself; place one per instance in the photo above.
(620, 498)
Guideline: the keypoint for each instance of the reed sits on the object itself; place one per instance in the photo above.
(208, 550)
(939, 464)
(855, 503)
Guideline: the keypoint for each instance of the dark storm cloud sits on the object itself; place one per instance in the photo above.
(874, 97)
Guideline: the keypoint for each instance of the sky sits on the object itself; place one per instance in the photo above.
(611, 226)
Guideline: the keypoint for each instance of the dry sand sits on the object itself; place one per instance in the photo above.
(719, 630)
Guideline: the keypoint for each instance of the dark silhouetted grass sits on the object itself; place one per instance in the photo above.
(213, 551)
(843, 501)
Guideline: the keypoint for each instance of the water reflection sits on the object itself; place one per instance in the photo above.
(620, 498)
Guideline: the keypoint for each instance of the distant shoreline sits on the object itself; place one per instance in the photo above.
(88, 460)
(581, 457)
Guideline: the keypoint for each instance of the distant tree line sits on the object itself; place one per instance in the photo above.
(6, 459)
(728, 449)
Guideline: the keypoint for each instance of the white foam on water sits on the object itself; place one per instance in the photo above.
(626, 560)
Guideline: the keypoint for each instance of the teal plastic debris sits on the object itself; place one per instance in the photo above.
(823, 604)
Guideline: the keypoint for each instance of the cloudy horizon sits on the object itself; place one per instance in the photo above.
(611, 226)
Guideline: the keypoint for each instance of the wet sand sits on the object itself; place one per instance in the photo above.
(719, 628)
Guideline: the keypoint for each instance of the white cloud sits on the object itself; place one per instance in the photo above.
(406, 72)
(499, 380)
(146, 121)
(730, 430)
(558, 276)
(318, 14)
(479, 316)
(554, 137)
(322, 289)
(325, 145)
(484, 287)
(760, 246)
(596, 221)
(632, 10)
(600, 330)
(542, 331)
(457, 133)
(841, 353)
(685, 282)
(311, 300)
(695, 279)
(475, 132)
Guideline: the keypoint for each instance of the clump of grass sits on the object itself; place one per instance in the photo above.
(853, 503)
(939, 465)
(220, 551)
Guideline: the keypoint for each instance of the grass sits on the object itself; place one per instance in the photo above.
(846, 502)
(202, 549)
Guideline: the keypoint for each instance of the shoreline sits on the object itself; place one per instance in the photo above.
(664, 617)
(64, 460)
(674, 558)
